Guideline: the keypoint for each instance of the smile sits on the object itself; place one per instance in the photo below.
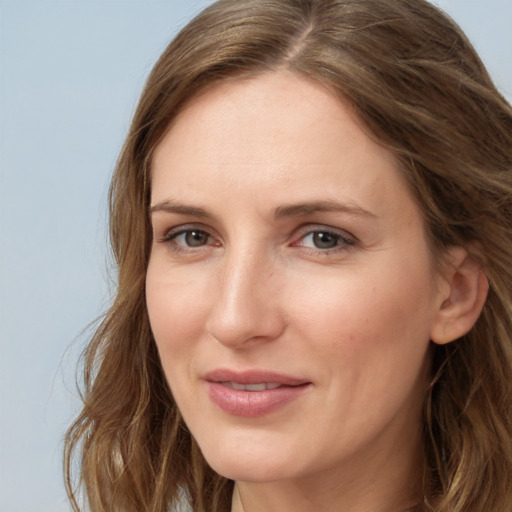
(252, 393)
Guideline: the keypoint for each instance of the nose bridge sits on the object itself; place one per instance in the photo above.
(245, 306)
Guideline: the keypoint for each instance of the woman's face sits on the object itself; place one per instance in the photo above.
(290, 289)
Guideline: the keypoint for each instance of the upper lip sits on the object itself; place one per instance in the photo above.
(252, 377)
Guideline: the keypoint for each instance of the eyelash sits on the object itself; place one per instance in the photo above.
(171, 235)
(344, 241)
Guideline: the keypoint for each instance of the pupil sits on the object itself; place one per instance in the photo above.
(325, 240)
(196, 238)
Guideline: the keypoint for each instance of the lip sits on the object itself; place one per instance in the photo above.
(253, 403)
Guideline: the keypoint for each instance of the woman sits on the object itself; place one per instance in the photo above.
(312, 222)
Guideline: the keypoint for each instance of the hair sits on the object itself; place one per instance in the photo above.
(420, 89)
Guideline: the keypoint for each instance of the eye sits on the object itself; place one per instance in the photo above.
(187, 238)
(325, 240)
(191, 238)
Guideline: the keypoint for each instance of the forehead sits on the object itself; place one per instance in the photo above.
(273, 136)
(288, 104)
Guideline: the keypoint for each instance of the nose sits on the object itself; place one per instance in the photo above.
(246, 308)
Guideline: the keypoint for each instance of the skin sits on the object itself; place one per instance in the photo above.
(254, 288)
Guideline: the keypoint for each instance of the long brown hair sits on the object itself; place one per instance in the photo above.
(420, 89)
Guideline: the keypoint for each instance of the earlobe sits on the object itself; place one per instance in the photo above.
(463, 299)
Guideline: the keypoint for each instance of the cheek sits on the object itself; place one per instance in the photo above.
(356, 304)
(370, 343)
(371, 329)
(177, 307)
(177, 310)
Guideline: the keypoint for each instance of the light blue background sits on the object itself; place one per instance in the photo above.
(70, 75)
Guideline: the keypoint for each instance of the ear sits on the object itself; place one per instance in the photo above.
(463, 292)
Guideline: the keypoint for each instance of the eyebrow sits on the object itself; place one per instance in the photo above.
(172, 207)
(292, 210)
(302, 209)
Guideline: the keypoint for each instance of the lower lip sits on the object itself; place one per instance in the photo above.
(252, 403)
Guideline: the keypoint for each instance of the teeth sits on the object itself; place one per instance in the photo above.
(251, 387)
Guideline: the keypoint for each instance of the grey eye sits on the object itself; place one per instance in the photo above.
(325, 240)
(195, 238)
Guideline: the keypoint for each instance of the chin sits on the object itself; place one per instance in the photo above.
(245, 472)
(254, 465)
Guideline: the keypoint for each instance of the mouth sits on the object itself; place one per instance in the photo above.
(252, 387)
(253, 377)
(253, 393)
